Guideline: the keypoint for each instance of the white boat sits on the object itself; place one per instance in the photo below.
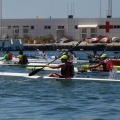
(23, 75)
(96, 74)
(81, 79)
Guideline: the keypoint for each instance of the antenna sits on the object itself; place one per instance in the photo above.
(109, 9)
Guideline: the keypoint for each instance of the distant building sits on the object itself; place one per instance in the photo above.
(75, 28)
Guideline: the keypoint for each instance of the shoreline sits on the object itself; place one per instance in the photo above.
(83, 45)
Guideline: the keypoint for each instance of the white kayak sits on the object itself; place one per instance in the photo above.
(81, 79)
(24, 75)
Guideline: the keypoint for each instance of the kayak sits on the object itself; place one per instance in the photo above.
(48, 69)
(83, 67)
(81, 79)
(24, 75)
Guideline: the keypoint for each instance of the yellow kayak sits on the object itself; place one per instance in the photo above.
(84, 67)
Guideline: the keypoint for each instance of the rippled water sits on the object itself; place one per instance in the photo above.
(30, 99)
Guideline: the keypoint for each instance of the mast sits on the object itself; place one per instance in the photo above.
(100, 8)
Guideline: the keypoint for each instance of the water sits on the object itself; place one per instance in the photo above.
(28, 99)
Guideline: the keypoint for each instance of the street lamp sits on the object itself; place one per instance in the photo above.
(1, 18)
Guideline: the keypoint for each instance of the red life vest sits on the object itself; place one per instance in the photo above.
(10, 56)
(69, 71)
(109, 65)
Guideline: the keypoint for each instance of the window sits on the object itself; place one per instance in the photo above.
(16, 29)
(26, 26)
(60, 27)
(93, 35)
(47, 27)
(93, 30)
(84, 30)
(9, 27)
(100, 26)
(25, 30)
(76, 26)
(84, 35)
(118, 26)
(32, 27)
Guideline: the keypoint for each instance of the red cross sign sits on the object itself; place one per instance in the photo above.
(107, 26)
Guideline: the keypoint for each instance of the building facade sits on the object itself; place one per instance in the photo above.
(75, 28)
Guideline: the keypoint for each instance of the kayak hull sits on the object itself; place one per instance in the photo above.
(81, 79)
(14, 75)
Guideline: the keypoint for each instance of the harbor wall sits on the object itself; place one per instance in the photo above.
(87, 47)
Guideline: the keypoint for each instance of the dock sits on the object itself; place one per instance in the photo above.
(83, 45)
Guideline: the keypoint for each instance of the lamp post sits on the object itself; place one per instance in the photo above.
(100, 8)
(1, 18)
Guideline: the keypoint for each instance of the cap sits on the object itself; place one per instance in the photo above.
(103, 56)
(65, 57)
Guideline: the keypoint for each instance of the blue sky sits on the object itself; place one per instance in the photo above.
(58, 8)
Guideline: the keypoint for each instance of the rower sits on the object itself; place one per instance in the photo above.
(67, 68)
(105, 62)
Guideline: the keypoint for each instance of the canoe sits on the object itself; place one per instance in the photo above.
(23, 75)
(81, 79)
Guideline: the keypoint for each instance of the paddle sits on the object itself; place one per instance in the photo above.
(37, 70)
(85, 52)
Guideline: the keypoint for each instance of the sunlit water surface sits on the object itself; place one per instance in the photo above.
(31, 99)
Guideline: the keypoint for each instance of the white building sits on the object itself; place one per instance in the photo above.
(76, 28)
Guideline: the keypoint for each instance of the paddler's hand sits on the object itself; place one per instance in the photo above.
(87, 67)
(47, 65)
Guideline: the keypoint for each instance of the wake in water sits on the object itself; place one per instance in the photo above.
(113, 74)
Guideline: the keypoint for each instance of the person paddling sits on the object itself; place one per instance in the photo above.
(105, 62)
(22, 58)
(7, 56)
(67, 68)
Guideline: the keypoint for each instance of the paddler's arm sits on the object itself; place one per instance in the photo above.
(93, 66)
(5, 57)
(55, 66)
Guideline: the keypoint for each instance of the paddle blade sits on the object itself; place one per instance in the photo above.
(35, 71)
